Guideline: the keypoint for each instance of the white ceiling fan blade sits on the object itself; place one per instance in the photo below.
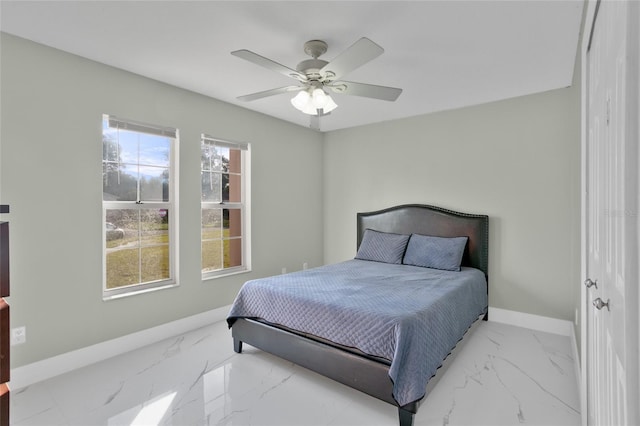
(269, 64)
(360, 52)
(384, 93)
(264, 94)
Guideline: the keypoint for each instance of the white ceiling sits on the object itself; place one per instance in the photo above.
(444, 54)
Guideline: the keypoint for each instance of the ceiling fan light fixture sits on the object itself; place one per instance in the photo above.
(329, 106)
(310, 109)
(300, 100)
(309, 102)
(319, 98)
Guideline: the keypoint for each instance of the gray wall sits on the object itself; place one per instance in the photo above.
(52, 105)
(517, 161)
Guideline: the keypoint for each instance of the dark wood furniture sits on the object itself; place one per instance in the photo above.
(367, 374)
(4, 320)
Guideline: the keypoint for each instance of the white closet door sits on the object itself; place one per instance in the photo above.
(611, 203)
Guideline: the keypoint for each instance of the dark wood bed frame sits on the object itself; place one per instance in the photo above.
(361, 372)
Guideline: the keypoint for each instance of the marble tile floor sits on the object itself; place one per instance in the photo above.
(504, 375)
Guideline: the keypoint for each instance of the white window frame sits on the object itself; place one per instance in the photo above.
(243, 205)
(170, 206)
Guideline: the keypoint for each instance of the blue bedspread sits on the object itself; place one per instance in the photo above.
(409, 315)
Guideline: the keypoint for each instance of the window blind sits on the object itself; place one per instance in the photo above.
(117, 123)
(226, 144)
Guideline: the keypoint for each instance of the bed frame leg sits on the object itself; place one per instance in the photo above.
(405, 416)
(237, 346)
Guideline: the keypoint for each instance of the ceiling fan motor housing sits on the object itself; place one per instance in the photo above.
(311, 68)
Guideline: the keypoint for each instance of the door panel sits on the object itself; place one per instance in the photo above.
(611, 219)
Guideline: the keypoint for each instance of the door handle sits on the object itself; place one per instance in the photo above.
(599, 304)
(588, 283)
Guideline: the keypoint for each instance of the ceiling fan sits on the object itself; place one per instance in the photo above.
(315, 77)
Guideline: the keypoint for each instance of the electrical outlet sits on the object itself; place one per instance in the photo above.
(305, 265)
(284, 271)
(18, 335)
(575, 318)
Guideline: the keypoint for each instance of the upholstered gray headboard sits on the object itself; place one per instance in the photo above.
(436, 221)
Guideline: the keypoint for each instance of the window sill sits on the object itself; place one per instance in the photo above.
(209, 276)
(107, 297)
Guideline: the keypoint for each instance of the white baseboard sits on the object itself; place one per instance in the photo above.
(54, 366)
(533, 322)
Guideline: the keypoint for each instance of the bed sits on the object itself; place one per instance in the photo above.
(355, 339)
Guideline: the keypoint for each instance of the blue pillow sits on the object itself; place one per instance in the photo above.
(435, 252)
(382, 246)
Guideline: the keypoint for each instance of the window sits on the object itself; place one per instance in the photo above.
(224, 213)
(138, 206)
